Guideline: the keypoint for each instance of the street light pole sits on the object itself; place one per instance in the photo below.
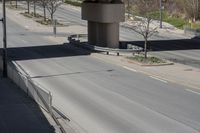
(4, 40)
(161, 17)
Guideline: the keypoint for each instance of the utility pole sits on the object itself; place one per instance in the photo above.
(4, 40)
(161, 15)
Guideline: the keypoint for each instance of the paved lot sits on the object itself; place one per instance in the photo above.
(19, 113)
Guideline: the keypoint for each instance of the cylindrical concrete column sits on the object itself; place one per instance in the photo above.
(108, 35)
(103, 24)
(92, 30)
(103, 34)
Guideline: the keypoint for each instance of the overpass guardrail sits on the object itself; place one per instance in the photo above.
(76, 39)
(34, 90)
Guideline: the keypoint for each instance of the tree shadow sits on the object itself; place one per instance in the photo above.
(166, 45)
(46, 51)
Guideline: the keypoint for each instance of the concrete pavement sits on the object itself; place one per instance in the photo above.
(104, 97)
(19, 113)
(176, 73)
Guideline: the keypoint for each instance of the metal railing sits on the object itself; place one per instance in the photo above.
(40, 95)
(76, 40)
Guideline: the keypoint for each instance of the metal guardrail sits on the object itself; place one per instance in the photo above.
(75, 39)
(32, 88)
(45, 96)
(40, 95)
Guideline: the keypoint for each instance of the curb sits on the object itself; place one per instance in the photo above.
(142, 64)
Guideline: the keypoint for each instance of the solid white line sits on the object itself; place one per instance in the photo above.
(158, 79)
(131, 69)
(198, 93)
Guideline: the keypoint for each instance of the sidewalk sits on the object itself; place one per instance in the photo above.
(19, 113)
(44, 30)
(177, 73)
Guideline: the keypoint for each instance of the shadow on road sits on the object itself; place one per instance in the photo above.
(74, 73)
(167, 45)
(46, 51)
(19, 113)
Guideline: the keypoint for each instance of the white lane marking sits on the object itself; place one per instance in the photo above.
(157, 78)
(131, 69)
(198, 93)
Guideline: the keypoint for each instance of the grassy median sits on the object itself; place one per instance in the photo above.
(148, 60)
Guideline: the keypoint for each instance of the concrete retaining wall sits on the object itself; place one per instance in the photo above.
(34, 90)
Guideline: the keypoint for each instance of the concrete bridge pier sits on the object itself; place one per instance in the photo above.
(103, 22)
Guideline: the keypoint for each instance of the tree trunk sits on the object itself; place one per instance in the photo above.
(28, 6)
(145, 48)
(44, 10)
(16, 4)
(34, 8)
(52, 18)
(52, 15)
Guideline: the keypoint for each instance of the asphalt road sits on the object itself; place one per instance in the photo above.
(101, 97)
(171, 46)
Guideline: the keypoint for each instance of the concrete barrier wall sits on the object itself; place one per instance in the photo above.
(34, 90)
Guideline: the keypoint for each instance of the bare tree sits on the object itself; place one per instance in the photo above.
(143, 28)
(34, 7)
(43, 4)
(28, 6)
(192, 8)
(52, 6)
(143, 24)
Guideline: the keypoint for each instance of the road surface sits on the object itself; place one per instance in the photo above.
(102, 97)
(171, 46)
